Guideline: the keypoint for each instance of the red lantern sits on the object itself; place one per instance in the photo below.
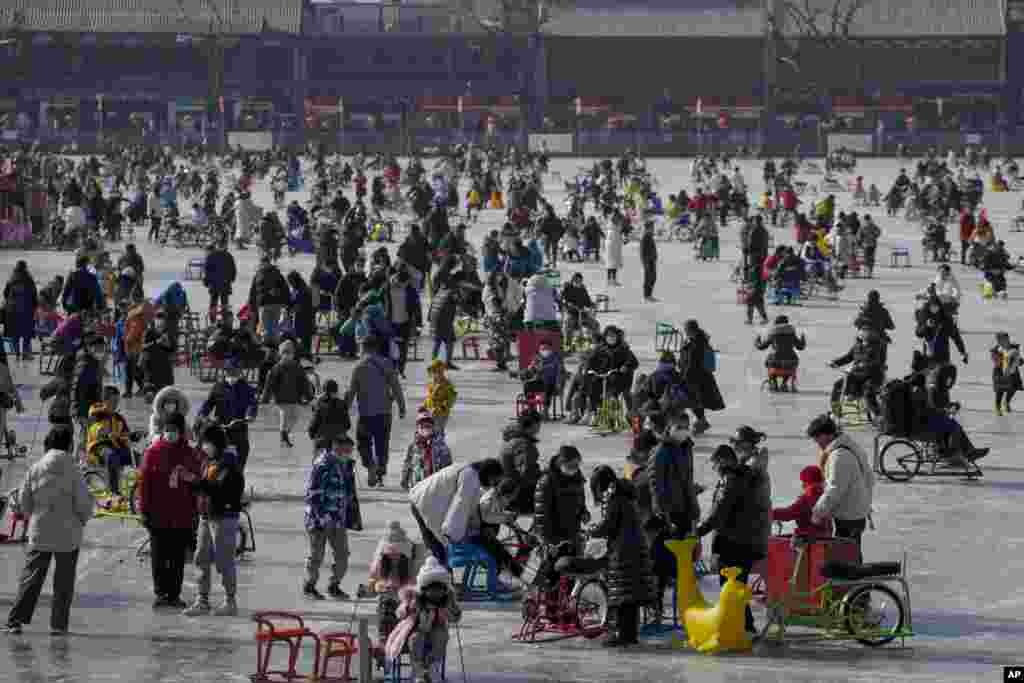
(723, 120)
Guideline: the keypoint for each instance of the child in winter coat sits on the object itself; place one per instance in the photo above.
(330, 415)
(392, 569)
(331, 510)
(441, 395)
(428, 453)
(545, 375)
(800, 511)
(425, 614)
(107, 441)
(168, 401)
(1006, 363)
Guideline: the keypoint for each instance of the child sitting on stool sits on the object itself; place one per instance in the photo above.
(425, 614)
(544, 376)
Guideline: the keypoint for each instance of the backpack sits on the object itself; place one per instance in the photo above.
(710, 359)
(897, 418)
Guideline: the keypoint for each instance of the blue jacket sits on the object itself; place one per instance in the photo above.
(230, 401)
(330, 491)
(536, 257)
(174, 295)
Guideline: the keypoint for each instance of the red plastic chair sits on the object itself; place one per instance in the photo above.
(270, 631)
(337, 645)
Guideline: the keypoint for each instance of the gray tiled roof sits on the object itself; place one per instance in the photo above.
(877, 18)
(907, 18)
(152, 16)
(743, 23)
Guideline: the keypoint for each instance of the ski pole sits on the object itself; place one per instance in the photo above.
(462, 659)
(35, 429)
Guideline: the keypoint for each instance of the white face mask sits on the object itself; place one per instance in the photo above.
(933, 309)
(610, 341)
(570, 468)
(425, 431)
(545, 353)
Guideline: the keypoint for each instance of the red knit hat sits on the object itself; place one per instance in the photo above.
(812, 475)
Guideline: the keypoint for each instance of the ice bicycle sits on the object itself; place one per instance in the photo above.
(840, 599)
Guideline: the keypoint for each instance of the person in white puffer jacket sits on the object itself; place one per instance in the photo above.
(444, 503)
(58, 505)
(849, 481)
(541, 304)
(946, 286)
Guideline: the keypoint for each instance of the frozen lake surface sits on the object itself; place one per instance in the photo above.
(965, 550)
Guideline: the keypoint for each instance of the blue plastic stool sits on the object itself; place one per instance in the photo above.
(471, 558)
(393, 667)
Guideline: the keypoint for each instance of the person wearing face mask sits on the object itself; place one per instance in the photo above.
(849, 481)
(428, 453)
(700, 380)
(519, 457)
(742, 524)
(560, 507)
(613, 355)
(425, 616)
(444, 503)
(629, 572)
(402, 305)
(865, 377)
(288, 386)
(544, 376)
(233, 401)
(332, 508)
(674, 508)
(166, 502)
(168, 401)
(1006, 363)
(219, 490)
(937, 328)
(157, 359)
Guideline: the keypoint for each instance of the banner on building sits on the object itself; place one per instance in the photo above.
(252, 141)
(556, 143)
(856, 142)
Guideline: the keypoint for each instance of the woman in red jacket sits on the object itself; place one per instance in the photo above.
(167, 506)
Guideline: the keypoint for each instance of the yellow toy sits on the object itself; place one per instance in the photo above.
(711, 630)
(987, 291)
(721, 628)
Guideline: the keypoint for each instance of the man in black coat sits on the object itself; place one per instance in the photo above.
(219, 274)
(649, 259)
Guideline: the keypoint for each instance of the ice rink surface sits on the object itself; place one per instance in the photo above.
(964, 541)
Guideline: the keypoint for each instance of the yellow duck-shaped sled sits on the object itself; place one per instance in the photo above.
(711, 629)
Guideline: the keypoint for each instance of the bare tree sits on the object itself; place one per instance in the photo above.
(521, 17)
(824, 23)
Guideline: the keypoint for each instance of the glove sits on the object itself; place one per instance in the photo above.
(146, 523)
(964, 357)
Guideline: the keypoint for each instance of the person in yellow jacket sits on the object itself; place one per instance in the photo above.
(441, 395)
(108, 436)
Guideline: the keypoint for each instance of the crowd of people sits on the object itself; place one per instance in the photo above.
(191, 479)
